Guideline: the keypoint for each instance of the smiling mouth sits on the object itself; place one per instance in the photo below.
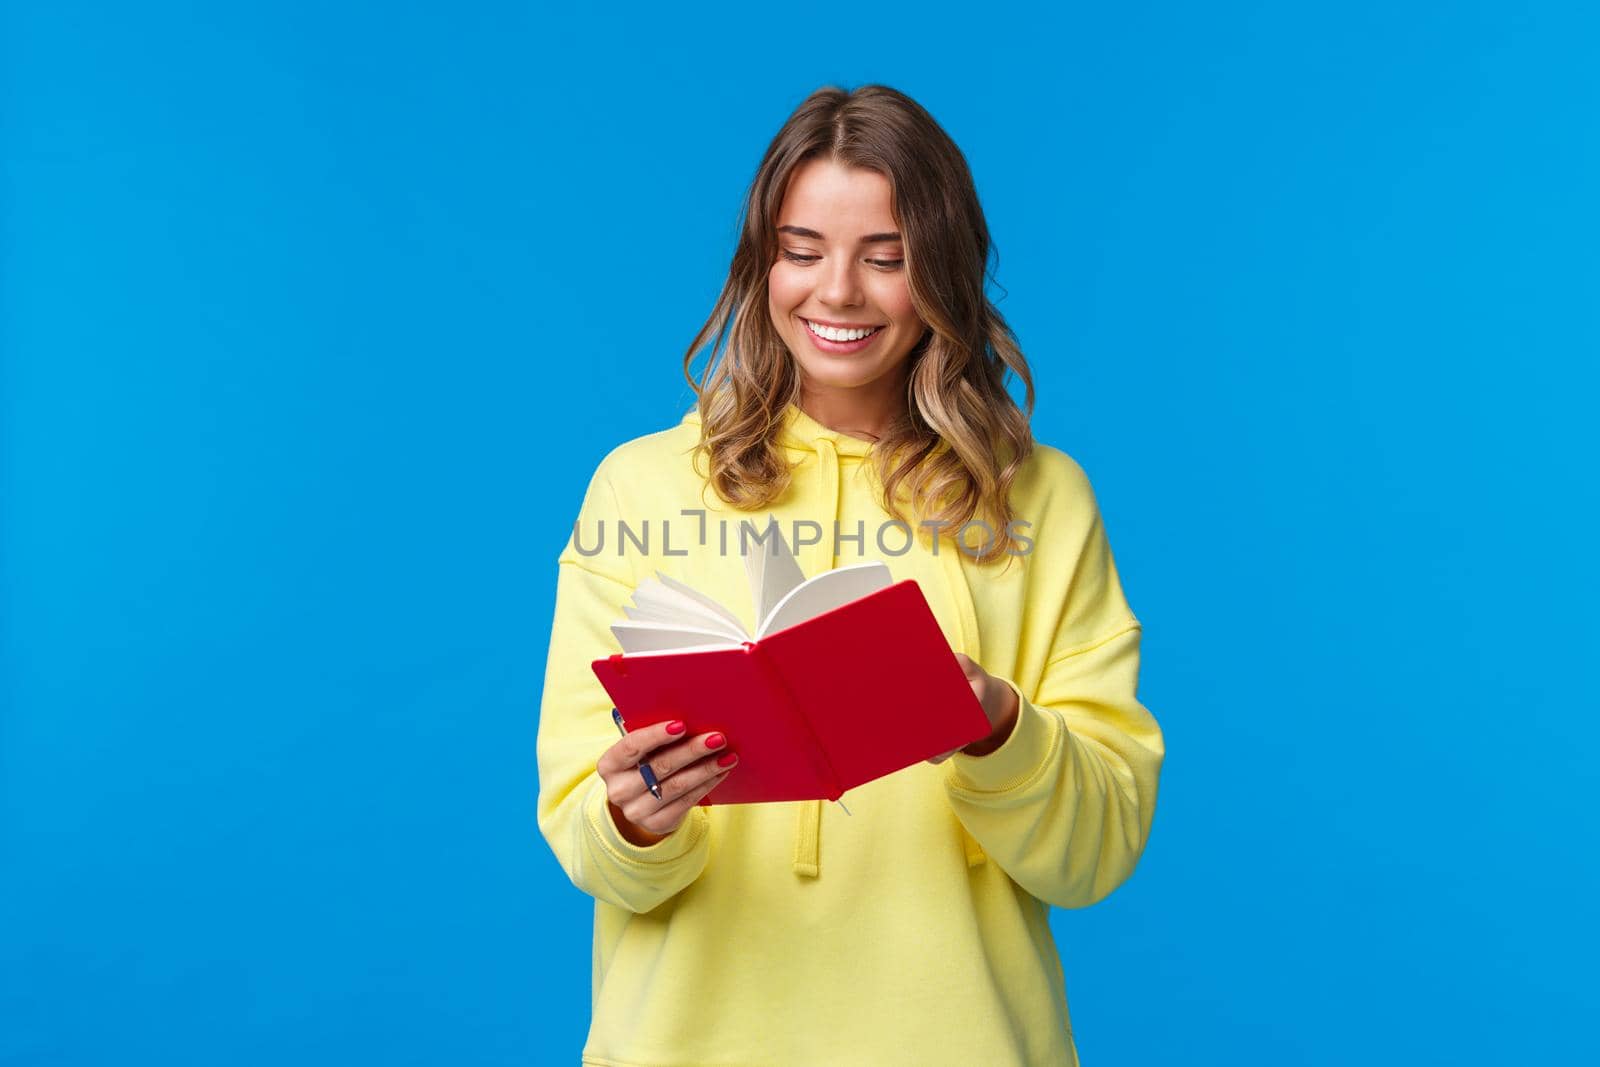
(841, 336)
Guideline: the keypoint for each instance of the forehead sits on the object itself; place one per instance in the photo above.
(838, 201)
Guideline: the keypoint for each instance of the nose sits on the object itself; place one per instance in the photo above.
(839, 286)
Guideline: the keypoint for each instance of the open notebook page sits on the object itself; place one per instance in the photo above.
(771, 569)
(704, 601)
(824, 592)
(670, 618)
(668, 615)
(659, 637)
(670, 600)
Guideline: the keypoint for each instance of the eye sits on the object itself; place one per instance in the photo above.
(881, 264)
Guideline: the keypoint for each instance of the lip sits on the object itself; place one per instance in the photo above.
(841, 325)
(840, 348)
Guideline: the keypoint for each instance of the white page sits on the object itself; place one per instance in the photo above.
(674, 621)
(771, 568)
(651, 614)
(685, 608)
(669, 616)
(726, 615)
(636, 637)
(826, 591)
(675, 651)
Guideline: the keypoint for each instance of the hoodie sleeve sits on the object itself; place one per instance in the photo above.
(1065, 805)
(575, 728)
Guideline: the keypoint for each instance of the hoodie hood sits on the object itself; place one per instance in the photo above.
(824, 459)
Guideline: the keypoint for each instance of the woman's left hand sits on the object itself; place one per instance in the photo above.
(999, 702)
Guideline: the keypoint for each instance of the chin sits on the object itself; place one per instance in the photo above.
(836, 376)
(835, 371)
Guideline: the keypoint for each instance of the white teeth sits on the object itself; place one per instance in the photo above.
(832, 334)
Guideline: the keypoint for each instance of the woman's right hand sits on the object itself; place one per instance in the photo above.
(686, 769)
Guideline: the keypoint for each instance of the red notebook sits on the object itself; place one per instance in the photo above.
(814, 707)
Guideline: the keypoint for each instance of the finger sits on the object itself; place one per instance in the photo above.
(970, 668)
(624, 787)
(691, 778)
(680, 784)
(634, 747)
(673, 759)
(673, 813)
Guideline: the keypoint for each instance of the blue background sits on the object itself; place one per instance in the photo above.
(315, 323)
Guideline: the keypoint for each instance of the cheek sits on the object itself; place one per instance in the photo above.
(893, 298)
(785, 288)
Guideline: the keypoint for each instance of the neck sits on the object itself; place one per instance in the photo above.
(864, 412)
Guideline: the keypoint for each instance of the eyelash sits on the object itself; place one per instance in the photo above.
(886, 264)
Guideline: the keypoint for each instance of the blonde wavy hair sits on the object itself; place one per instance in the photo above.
(956, 450)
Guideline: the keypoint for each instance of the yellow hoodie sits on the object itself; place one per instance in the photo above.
(923, 939)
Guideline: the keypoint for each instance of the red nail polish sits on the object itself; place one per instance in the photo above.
(675, 726)
(716, 741)
(727, 759)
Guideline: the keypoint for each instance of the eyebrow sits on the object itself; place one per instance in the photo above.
(869, 239)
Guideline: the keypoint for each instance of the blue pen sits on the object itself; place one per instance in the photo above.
(650, 782)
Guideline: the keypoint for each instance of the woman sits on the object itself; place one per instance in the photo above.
(859, 395)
